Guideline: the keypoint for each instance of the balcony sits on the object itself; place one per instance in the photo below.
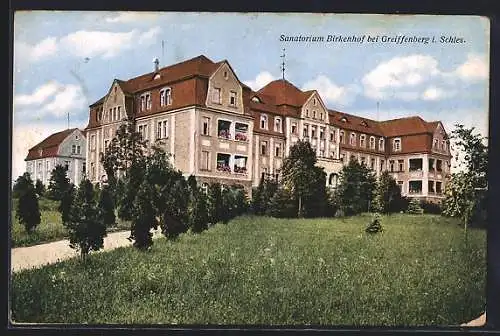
(223, 167)
(223, 129)
(241, 132)
(240, 170)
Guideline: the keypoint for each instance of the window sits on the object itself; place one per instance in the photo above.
(143, 103)
(381, 144)
(205, 160)
(223, 129)
(148, 101)
(362, 142)
(439, 187)
(401, 165)
(162, 129)
(342, 137)
(206, 126)
(415, 187)
(232, 98)
(92, 170)
(313, 132)
(391, 166)
(277, 150)
(216, 96)
(306, 131)
(241, 132)
(372, 142)
(430, 187)
(363, 160)
(352, 139)
(372, 163)
(256, 99)
(443, 145)
(439, 165)
(119, 113)
(78, 149)
(416, 164)
(240, 164)
(432, 167)
(106, 143)
(314, 114)
(223, 162)
(382, 162)
(332, 135)
(99, 114)
(396, 145)
(84, 168)
(315, 102)
(294, 128)
(143, 130)
(92, 141)
(321, 115)
(400, 185)
(277, 124)
(114, 114)
(435, 144)
(165, 97)
(226, 75)
(263, 121)
(307, 113)
(67, 164)
(321, 133)
(263, 148)
(73, 149)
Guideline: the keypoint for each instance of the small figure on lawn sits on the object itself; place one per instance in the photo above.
(375, 225)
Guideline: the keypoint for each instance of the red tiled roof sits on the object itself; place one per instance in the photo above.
(49, 145)
(354, 123)
(286, 93)
(404, 126)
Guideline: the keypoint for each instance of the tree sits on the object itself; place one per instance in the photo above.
(466, 191)
(356, 188)
(214, 203)
(66, 203)
(39, 188)
(86, 230)
(106, 207)
(414, 207)
(262, 195)
(199, 215)
(21, 185)
(28, 211)
(143, 219)
(300, 175)
(58, 183)
(387, 194)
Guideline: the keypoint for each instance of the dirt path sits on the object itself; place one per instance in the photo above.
(40, 255)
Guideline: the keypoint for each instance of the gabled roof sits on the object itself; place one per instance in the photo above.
(101, 100)
(286, 93)
(405, 126)
(49, 145)
(198, 66)
(355, 123)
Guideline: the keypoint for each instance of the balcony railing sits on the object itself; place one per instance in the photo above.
(241, 136)
(224, 134)
(224, 168)
(240, 170)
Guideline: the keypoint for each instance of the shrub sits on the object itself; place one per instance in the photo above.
(414, 207)
(431, 207)
(282, 205)
(374, 226)
(107, 207)
(28, 211)
(332, 204)
(39, 188)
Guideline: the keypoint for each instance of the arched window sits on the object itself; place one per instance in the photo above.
(332, 180)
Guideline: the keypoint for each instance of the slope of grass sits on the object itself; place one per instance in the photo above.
(259, 270)
(50, 227)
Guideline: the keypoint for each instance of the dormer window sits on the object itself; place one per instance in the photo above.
(157, 76)
(256, 99)
(165, 97)
(396, 145)
(381, 144)
(263, 121)
(343, 119)
(363, 123)
(145, 102)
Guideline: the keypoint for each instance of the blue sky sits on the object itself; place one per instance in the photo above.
(64, 61)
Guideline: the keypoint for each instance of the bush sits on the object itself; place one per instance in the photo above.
(414, 207)
(374, 226)
(28, 211)
(431, 208)
(282, 205)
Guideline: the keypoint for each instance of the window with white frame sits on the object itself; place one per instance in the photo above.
(277, 124)
(372, 142)
(205, 160)
(362, 140)
(143, 103)
(143, 130)
(232, 98)
(314, 114)
(294, 128)
(263, 148)
(216, 97)
(162, 129)
(321, 115)
(277, 150)
(435, 143)
(321, 133)
(306, 131)
(165, 96)
(352, 139)
(443, 145)
(332, 135)
(342, 137)
(396, 144)
(381, 144)
(206, 126)
(263, 121)
(78, 149)
(73, 149)
(114, 114)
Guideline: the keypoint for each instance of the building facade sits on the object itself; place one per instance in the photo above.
(66, 148)
(219, 129)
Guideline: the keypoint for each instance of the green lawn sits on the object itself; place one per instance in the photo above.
(258, 270)
(50, 228)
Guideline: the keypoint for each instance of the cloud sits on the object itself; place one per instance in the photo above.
(128, 17)
(50, 99)
(331, 92)
(28, 135)
(29, 53)
(149, 37)
(419, 77)
(262, 79)
(475, 68)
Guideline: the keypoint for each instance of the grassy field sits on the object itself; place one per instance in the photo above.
(258, 270)
(50, 228)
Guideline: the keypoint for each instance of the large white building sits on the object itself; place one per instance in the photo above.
(65, 148)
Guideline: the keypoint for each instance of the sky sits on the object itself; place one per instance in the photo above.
(65, 61)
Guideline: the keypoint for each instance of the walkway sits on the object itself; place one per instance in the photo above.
(40, 255)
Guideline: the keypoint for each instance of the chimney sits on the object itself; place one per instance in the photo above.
(156, 62)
